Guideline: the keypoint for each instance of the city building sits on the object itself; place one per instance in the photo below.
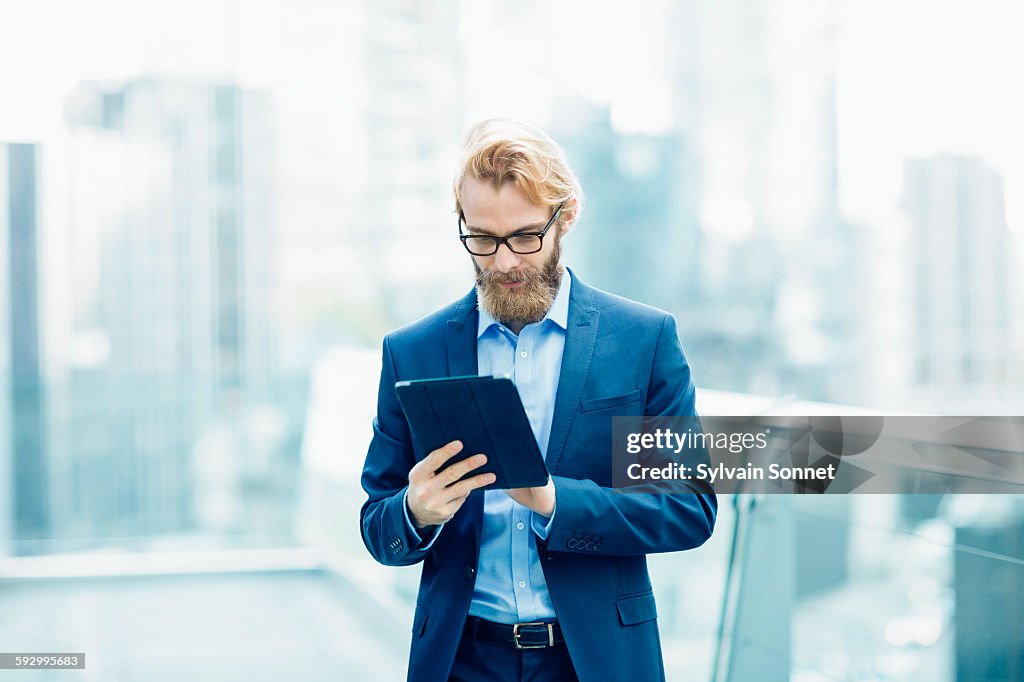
(963, 291)
(164, 418)
(24, 489)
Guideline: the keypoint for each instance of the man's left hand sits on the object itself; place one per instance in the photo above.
(540, 499)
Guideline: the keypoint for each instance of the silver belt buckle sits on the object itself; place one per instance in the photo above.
(515, 636)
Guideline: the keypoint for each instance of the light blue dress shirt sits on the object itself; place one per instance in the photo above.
(510, 585)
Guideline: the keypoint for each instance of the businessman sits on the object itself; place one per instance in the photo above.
(545, 583)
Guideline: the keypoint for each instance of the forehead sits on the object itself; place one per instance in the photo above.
(500, 209)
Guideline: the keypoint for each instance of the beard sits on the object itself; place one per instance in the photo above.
(524, 304)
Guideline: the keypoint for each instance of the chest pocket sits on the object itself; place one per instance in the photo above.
(605, 403)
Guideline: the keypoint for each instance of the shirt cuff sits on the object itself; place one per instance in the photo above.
(542, 526)
(431, 532)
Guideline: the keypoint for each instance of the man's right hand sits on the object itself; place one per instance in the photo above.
(435, 497)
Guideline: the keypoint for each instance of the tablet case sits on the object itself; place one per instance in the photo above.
(486, 414)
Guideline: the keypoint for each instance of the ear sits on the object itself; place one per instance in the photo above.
(569, 213)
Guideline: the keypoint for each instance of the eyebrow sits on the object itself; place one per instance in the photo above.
(529, 228)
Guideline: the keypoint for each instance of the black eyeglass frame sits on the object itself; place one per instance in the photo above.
(498, 241)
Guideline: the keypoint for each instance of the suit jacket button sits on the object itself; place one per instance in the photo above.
(589, 546)
(470, 571)
(597, 547)
(572, 543)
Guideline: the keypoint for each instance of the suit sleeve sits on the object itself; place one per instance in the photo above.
(387, 534)
(594, 519)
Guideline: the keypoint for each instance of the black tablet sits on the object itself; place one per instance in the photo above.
(486, 414)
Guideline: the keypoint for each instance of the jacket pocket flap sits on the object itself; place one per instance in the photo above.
(610, 401)
(419, 621)
(637, 609)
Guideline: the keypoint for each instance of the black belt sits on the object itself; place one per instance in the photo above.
(535, 635)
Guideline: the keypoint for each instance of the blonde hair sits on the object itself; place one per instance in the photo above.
(501, 150)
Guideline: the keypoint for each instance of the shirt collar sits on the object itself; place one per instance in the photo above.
(557, 313)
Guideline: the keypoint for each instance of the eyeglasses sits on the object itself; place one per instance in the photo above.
(520, 242)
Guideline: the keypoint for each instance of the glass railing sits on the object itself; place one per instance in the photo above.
(856, 587)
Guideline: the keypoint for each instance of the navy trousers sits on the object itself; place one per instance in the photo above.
(477, 660)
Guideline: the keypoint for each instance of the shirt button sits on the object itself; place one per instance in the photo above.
(522, 583)
(520, 525)
(523, 354)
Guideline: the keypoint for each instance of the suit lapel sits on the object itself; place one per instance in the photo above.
(580, 336)
(462, 361)
(461, 338)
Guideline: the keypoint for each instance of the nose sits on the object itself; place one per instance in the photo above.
(505, 260)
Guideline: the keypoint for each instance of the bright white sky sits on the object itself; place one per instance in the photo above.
(915, 77)
(920, 77)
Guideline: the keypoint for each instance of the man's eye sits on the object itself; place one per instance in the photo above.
(525, 239)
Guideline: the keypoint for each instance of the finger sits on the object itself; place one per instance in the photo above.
(460, 469)
(463, 488)
(428, 466)
(436, 459)
(454, 506)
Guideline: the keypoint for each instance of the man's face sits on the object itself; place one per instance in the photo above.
(516, 289)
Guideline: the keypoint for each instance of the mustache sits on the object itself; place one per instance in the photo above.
(490, 277)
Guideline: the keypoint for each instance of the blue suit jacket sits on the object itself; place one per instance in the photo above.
(620, 358)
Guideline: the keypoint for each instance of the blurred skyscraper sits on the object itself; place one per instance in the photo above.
(24, 493)
(754, 88)
(729, 217)
(640, 239)
(414, 126)
(964, 296)
(160, 418)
